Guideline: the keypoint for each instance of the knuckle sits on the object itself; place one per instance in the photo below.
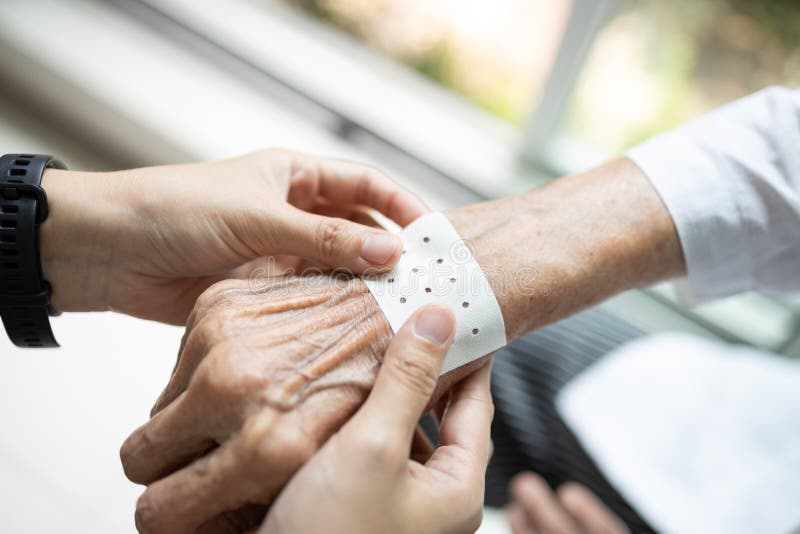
(415, 373)
(217, 323)
(128, 460)
(275, 448)
(204, 334)
(216, 294)
(331, 237)
(300, 449)
(228, 373)
(210, 380)
(364, 185)
(130, 455)
(213, 322)
(146, 516)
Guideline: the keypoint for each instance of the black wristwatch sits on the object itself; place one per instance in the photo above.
(24, 293)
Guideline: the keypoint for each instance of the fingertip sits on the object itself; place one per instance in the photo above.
(381, 249)
(421, 344)
(434, 323)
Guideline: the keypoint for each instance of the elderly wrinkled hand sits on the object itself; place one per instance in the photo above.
(265, 375)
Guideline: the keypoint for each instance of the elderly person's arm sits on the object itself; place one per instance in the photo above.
(265, 377)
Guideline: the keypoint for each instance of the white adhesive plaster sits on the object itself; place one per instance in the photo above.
(438, 267)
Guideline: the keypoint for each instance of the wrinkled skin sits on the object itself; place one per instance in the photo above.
(268, 374)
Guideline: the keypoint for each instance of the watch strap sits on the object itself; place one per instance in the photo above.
(24, 294)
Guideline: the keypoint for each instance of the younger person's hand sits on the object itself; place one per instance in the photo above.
(362, 480)
(147, 242)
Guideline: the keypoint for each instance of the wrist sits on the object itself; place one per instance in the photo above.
(557, 249)
(77, 240)
(505, 239)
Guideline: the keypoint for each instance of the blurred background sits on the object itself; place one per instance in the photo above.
(459, 100)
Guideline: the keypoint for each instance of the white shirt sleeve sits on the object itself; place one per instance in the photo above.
(731, 181)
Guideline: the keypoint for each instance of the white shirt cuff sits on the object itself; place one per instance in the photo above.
(704, 206)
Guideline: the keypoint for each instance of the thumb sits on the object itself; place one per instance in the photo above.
(337, 243)
(408, 375)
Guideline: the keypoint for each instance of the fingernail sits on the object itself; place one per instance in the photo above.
(379, 247)
(435, 324)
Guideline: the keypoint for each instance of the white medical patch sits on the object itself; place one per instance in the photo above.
(437, 266)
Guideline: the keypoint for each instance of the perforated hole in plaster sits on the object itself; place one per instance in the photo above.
(423, 276)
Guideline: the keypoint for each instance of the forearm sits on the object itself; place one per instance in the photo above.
(557, 249)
